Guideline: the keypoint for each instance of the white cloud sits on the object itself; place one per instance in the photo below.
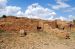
(71, 17)
(37, 11)
(71, 9)
(59, 18)
(62, 18)
(60, 4)
(12, 10)
(33, 11)
(3, 3)
(51, 18)
(9, 10)
(61, 0)
(20, 13)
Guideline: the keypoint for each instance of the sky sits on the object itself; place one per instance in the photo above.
(39, 9)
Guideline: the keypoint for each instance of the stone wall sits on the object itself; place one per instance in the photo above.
(16, 24)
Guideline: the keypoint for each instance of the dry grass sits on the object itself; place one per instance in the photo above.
(38, 40)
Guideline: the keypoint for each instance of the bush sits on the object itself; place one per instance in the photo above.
(74, 21)
(2, 31)
(4, 16)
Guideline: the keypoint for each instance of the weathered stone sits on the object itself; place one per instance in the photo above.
(22, 33)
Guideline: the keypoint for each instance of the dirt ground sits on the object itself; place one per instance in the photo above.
(36, 40)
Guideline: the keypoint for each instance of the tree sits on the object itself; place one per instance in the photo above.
(4, 16)
(74, 21)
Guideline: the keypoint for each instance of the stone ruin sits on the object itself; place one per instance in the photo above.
(22, 33)
(33, 25)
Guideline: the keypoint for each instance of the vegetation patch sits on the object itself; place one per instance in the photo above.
(1, 31)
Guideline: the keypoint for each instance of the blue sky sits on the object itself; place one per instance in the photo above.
(25, 3)
(44, 9)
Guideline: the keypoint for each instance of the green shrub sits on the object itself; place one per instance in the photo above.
(74, 21)
(4, 16)
(2, 31)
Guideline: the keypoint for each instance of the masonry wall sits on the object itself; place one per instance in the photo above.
(16, 24)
